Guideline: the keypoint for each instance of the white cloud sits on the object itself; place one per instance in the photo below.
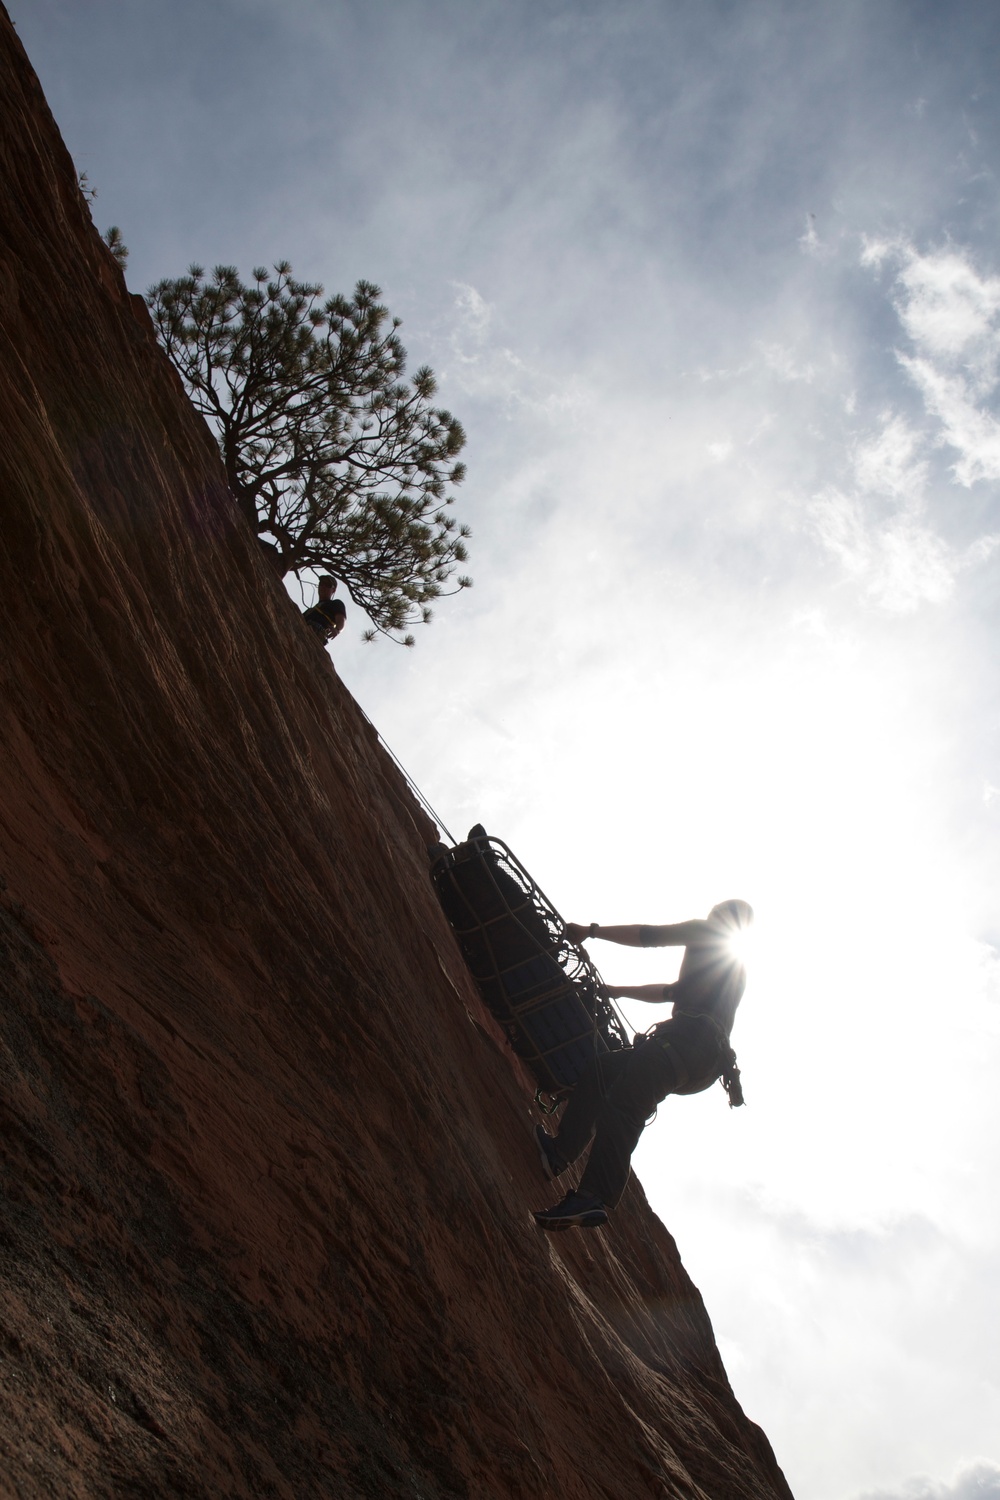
(901, 562)
(915, 567)
(948, 309)
(982, 548)
(887, 463)
(950, 313)
(840, 523)
(879, 517)
(976, 1481)
(809, 241)
(875, 252)
(971, 431)
(781, 361)
(477, 363)
(473, 313)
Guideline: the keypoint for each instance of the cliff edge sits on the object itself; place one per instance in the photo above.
(266, 1165)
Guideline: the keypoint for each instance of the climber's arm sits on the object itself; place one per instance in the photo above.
(653, 994)
(675, 935)
(629, 936)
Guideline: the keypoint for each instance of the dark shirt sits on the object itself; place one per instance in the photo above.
(323, 617)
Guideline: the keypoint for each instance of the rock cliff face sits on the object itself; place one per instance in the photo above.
(266, 1166)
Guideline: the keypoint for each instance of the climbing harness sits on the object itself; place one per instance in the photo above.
(725, 1068)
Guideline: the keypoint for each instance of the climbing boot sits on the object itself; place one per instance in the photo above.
(576, 1211)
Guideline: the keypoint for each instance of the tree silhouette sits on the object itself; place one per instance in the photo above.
(336, 460)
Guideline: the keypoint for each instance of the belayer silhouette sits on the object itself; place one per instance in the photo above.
(328, 615)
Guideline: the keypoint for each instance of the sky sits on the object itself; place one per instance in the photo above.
(714, 288)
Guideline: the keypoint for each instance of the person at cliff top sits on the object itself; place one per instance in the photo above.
(683, 1055)
(328, 616)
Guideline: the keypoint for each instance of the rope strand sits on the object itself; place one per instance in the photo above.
(424, 803)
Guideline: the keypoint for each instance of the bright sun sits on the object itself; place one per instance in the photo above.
(740, 943)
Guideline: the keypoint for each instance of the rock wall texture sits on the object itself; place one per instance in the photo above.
(266, 1169)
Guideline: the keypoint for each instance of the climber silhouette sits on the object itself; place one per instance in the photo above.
(683, 1055)
(328, 616)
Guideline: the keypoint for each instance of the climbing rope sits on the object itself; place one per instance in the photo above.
(424, 803)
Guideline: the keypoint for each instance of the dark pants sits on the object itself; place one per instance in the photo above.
(612, 1102)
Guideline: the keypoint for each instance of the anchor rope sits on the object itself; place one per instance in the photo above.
(424, 802)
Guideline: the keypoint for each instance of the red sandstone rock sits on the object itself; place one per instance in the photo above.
(267, 1168)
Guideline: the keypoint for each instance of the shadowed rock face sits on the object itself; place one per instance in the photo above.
(266, 1167)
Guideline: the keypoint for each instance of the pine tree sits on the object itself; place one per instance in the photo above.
(335, 459)
(117, 246)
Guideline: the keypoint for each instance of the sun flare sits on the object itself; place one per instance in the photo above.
(740, 943)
